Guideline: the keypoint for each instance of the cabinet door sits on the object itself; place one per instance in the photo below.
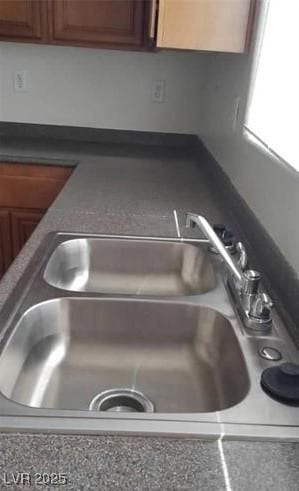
(23, 223)
(5, 242)
(22, 19)
(31, 186)
(211, 25)
(98, 22)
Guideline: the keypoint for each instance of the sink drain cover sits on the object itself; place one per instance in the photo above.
(121, 401)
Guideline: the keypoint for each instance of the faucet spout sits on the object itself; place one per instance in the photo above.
(254, 307)
(205, 227)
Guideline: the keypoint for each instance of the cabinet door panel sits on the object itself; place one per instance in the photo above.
(21, 19)
(31, 186)
(98, 22)
(211, 25)
(23, 224)
(5, 242)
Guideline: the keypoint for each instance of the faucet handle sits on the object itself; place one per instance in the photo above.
(226, 236)
(242, 261)
(250, 282)
(190, 220)
(261, 307)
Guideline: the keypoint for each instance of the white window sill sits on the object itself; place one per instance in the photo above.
(267, 151)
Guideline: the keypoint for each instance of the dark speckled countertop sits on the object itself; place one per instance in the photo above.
(126, 189)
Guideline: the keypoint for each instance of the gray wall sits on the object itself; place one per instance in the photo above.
(112, 89)
(101, 88)
(269, 187)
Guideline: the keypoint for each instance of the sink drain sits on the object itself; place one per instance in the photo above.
(121, 401)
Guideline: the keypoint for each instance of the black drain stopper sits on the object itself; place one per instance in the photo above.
(282, 383)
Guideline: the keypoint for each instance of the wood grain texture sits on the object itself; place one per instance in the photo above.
(31, 186)
(23, 223)
(99, 22)
(209, 25)
(5, 242)
(35, 170)
(26, 191)
(23, 20)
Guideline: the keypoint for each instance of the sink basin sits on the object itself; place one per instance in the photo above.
(64, 352)
(77, 358)
(128, 266)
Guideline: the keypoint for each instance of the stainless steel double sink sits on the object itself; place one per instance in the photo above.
(135, 335)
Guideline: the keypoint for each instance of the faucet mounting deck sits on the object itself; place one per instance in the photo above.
(254, 307)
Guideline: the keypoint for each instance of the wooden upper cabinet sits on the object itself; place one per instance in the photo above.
(98, 22)
(23, 20)
(208, 25)
(211, 25)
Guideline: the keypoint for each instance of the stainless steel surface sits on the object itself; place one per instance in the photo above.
(189, 354)
(261, 308)
(253, 307)
(206, 228)
(134, 266)
(243, 259)
(253, 316)
(269, 353)
(251, 282)
(122, 401)
(64, 351)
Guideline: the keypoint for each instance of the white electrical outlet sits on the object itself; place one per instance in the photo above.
(20, 81)
(158, 91)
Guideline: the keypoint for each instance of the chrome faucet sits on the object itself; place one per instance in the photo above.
(242, 261)
(254, 307)
(205, 227)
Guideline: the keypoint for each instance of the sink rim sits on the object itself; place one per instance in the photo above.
(155, 306)
(76, 253)
(283, 422)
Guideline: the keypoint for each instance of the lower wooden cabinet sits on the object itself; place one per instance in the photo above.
(26, 192)
(16, 226)
(23, 223)
(5, 241)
